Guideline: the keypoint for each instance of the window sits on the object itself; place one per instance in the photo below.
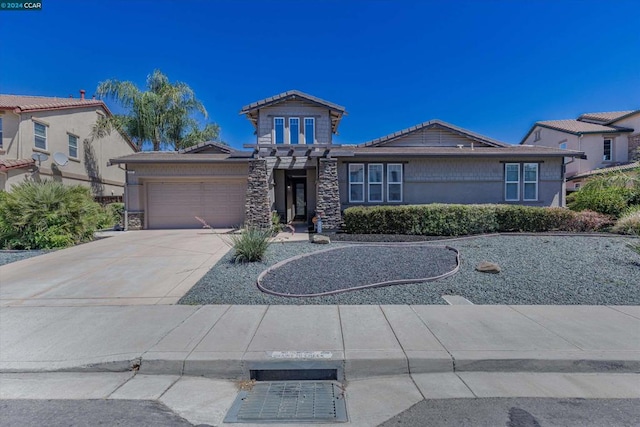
(40, 132)
(309, 130)
(356, 182)
(294, 130)
(375, 182)
(536, 135)
(563, 145)
(512, 181)
(394, 183)
(0, 132)
(530, 171)
(606, 156)
(73, 146)
(278, 127)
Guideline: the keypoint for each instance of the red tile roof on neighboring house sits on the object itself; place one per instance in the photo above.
(430, 124)
(610, 169)
(607, 117)
(8, 164)
(40, 103)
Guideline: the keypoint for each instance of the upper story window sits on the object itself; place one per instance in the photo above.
(294, 130)
(40, 132)
(607, 150)
(394, 182)
(73, 146)
(309, 130)
(375, 182)
(536, 135)
(356, 182)
(278, 127)
(562, 145)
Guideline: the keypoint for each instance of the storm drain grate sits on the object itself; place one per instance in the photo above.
(290, 402)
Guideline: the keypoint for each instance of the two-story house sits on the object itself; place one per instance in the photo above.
(294, 168)
(50, 138)
(610, 141)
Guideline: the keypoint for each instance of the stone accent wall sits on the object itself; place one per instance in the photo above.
(258, 206)
(328, 203)
(634, 147)
(135, 220)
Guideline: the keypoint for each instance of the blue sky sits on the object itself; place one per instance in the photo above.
(494, 67)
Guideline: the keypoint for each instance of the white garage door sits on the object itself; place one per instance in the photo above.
(176, 204)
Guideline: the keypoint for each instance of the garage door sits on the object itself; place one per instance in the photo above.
(176, 204)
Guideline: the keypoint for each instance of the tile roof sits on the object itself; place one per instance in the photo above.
(178, 157)
(33, 103)
(204, 145)
(290, 94)
(606, 117)
(505, 151)
(617, 168)
(578, 127)
(434, 123)
(8, 164)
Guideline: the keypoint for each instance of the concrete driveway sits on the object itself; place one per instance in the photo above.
(131, 268)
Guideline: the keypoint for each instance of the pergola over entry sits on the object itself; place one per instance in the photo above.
(258, 205)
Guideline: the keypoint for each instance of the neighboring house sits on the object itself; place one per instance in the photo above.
(57, 133)
(295, 169)
(609, 140)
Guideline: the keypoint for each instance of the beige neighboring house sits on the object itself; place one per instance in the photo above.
(610, 141)
(50, 138)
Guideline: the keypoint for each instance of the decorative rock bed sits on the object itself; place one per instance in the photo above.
(336, 270)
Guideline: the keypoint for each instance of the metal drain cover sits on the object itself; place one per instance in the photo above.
(290, 402)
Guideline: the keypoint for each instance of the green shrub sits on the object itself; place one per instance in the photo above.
(276, 224)
(629, 222)
(45, 215)
(251, 244)
(608, 194)
(459, 220)
(110, 215)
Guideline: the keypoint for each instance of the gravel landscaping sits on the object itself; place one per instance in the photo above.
(538, 269)
(7, 257)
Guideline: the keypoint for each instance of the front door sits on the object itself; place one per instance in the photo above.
(299, 196)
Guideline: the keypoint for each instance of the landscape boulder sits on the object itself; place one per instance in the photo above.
(488, 267)
(320, 239)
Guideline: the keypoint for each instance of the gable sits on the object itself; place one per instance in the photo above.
(209, 147)
(434, 137)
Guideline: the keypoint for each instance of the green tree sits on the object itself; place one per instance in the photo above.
(163, 114)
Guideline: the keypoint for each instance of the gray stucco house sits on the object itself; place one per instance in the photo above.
(295, 169)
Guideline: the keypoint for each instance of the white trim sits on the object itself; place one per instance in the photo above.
(313, 120)
(46, 135)
(275, 131)
(389, 182)
(69, 135)
(525, 182)
(361, 183)
(506, 182)
(290, 134)
(370, 183)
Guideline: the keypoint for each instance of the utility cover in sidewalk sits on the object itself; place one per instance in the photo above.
(290, 402)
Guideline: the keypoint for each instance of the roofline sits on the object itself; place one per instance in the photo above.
(275, 99)
(224, 147)
(617, 130)
(603, 171)
(431, 123)
(624, 117)
(141, 161)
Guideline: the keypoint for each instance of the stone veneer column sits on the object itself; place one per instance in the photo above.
(328, 203)
(257, 204)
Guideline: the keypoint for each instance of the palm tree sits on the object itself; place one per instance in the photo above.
(161, 115)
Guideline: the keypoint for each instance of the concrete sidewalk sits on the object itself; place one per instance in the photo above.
(225, 342)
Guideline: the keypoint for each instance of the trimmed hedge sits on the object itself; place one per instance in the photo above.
(459, 220)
